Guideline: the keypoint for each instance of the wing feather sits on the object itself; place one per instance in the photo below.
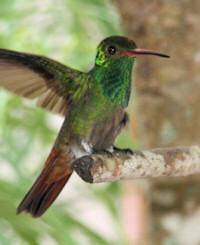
(34, 76)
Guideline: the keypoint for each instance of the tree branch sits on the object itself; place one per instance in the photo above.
(142, 164)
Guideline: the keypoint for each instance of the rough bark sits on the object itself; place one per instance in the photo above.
(154, 163)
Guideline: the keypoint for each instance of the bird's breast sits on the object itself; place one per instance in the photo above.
(94, 124)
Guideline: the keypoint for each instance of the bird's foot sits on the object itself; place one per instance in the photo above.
(126, 151)
(102, 152)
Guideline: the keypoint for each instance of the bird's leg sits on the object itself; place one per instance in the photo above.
(107, 152)
(126, 151)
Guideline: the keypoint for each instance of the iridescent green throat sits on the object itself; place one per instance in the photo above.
(115, 79)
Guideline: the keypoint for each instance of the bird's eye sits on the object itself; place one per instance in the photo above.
(111, 50)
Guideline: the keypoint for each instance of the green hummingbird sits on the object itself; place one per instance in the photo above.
(93, 104)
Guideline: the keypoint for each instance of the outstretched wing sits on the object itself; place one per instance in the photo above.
(34, 76)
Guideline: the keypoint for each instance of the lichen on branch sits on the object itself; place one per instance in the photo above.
(121, 165)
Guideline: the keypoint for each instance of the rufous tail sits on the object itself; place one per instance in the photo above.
(49, 184)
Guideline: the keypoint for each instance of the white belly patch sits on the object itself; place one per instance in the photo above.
(87, 150)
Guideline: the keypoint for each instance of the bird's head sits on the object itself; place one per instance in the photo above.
(117, 48)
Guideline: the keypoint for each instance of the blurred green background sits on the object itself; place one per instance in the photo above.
(68, 31)
(166, 113)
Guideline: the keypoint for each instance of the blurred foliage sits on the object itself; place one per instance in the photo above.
(69, 32)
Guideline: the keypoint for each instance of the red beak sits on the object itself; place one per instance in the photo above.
(138, 51)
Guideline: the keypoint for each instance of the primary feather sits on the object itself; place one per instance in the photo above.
(34, 76)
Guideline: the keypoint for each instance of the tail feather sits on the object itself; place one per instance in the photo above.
(43, 193)
(41, 200)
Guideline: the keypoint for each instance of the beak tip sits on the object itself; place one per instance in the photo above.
(166, 56)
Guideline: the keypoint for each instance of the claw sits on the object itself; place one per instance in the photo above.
(102, 152)
(126, 151)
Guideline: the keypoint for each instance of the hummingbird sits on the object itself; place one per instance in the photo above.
(93, 104)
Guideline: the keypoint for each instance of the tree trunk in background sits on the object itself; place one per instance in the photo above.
(168, 98)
